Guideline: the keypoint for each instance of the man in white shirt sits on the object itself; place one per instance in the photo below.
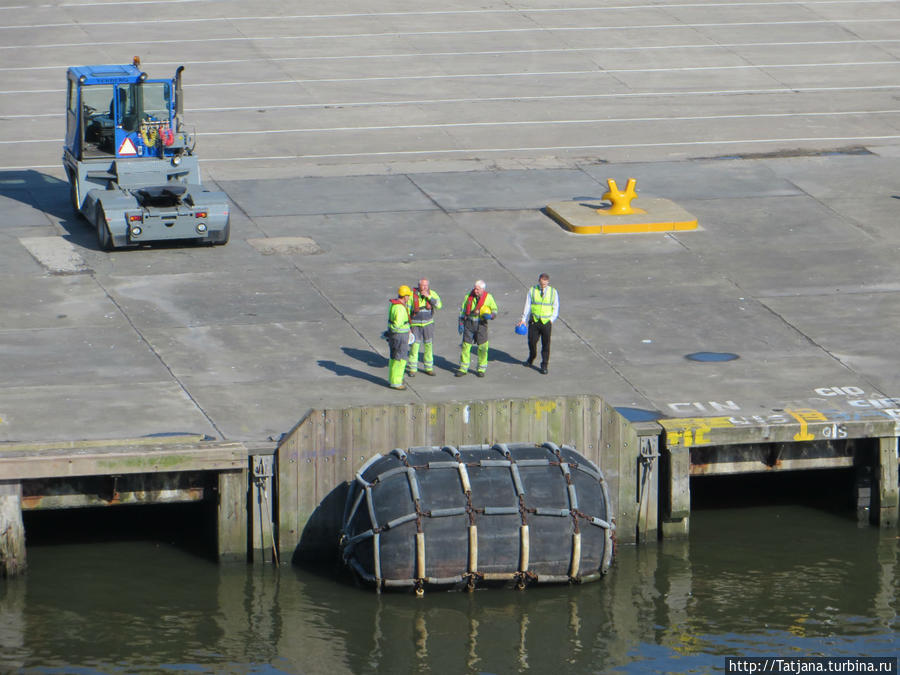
(541, 310)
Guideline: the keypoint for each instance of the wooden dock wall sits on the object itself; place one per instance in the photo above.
(319, 457)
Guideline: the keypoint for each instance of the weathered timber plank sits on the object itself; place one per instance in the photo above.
(308, 462)
(12, 530)
(558, 422)
(593, 425)
(434, 426)
(521, 422)
(95, 445)
(481, 423)
(454, 424)
(329, 455)
(418, 424)
(232, 516)
(623, 497)
(343, 441)
(888, 493)
(148, 459)
(382, 438)
(502, 431)
(574, 423)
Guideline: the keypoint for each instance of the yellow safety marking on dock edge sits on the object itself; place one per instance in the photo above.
(632, 228)
(804, 416)
(688, 431)
(691, 431)
(592, 217)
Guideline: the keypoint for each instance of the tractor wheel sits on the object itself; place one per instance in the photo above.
(103, 236)
(73, 193)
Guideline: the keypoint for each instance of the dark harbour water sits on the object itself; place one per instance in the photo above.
(755, 580)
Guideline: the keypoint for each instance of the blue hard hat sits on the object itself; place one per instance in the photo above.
(522, 329)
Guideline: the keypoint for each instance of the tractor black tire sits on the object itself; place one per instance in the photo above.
(104, 239)
(73, 193)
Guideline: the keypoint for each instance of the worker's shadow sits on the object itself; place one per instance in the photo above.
(346, 371)
(500, 356)
(374, 360)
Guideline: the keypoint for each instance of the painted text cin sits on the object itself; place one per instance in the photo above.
(707, 407)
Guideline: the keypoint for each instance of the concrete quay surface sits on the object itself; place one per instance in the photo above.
(426, 143)
(788, 272)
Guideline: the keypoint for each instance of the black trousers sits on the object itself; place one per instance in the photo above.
(537, 329)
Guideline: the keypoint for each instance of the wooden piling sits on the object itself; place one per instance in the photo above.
(232, 516)
(675, 492)
(12, 530)
(886, 498)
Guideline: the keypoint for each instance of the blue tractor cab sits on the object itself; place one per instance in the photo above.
(130, 160)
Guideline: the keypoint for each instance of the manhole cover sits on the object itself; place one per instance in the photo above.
(709, 357)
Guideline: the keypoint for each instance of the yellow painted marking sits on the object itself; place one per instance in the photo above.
(688, 431)
(803, 416)
(635, 228)
(543, 407)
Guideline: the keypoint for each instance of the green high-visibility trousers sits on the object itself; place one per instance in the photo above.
(395, 371)
(464, 356)
(427, 356)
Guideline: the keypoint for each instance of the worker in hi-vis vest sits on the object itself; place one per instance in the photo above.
(541, 310)
(422, 304)
(476, 310)
(398, 337)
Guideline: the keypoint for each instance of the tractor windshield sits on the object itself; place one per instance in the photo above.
(147, 102)
(155, 106)
(126, 106)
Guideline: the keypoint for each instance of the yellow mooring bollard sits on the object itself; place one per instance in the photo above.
(614, 214)
(621, 199)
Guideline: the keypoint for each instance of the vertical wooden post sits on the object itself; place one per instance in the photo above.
(887, 496)
(864, 463)
(12, 530)
(232, 516)
(675, 486)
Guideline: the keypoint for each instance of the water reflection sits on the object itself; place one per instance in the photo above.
(764, 580)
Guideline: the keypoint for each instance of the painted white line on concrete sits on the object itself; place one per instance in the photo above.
(612, 146)
(55, 254)
(550, 73)
(443, 12)
(513, 123)
(464, 76)
(553, 97)
(479, 31)
(121, 2)
(544, 148)
(507, 123)
(497, 52)
(501, 99)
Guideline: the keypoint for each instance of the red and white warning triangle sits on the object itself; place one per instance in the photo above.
(127, 147)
